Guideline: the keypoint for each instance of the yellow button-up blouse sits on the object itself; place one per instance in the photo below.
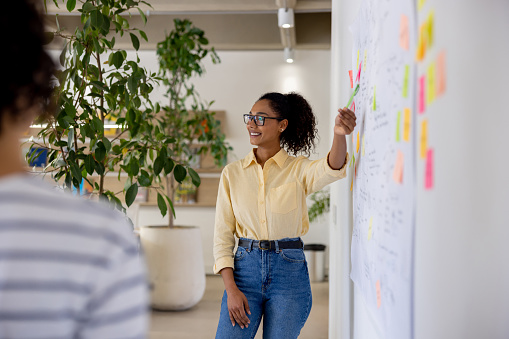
(268, 203)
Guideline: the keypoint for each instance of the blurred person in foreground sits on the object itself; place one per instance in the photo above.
(69, 268)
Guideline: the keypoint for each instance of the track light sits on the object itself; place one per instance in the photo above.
(285, 18)
(289, 55)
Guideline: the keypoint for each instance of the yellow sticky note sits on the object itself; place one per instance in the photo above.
(364, 66)
(374, 99)
(398, 123)
(405, 81)
(363, 145)
(358, 53)
(429, 30)
(358, 143)
(397, 174)
(424, 138)
(420, 3)
(370, 229)
(430, 94)
(406, 124)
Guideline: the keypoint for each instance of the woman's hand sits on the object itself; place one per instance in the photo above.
(345, 122)
(238, 307)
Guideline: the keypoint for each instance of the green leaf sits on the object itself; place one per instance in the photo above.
(161, 204)
(143, 34)
(62, 55)
(70, 5)
(88, 7)
(70, 138)
(118, 59)
(144, 179)
(143, 17)
(168, 165)
(96, 18)
(107, 144)
(179, 173)
(90, 164)
(194, 177)
(134, 167)
(131, 193)
(100, 152)
(158, 165)
(135, 41)
(99, 85)
(171, 206)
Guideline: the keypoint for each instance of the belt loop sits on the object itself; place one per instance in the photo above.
(250, 245)
(302, 243)
(277, 246)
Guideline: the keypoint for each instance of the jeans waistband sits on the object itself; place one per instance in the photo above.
(271, 244)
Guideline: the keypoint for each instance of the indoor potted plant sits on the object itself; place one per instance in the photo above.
(174, 253)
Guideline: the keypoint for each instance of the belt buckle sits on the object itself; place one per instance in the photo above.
(261, 243)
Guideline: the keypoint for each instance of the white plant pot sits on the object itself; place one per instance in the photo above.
(175, 266)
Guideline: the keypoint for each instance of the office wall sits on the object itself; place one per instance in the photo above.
(460, 262)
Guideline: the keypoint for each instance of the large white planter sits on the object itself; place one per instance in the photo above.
(175, 266)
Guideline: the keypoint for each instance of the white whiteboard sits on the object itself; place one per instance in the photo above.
(461, 265)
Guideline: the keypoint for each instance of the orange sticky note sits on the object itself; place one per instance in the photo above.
(424, 138)
(428, 180)
(374, 99)
(370, 228)
(403, 33)
(397, 174)
(351, 186)
(421, 45)
(406, 124)
(358, 143)
(440, 74)
(430, 97)
(378, 294)
(351, 78)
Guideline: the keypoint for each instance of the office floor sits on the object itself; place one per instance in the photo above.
(200, 322)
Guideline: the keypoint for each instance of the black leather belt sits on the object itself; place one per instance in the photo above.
(271, 244)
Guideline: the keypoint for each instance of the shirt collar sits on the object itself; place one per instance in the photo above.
(279, 158)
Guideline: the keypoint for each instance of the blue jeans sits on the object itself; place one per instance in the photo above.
(276, 285)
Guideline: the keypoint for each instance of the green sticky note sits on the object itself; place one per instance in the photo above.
(405, 81)
(398, 138)
(353, 94)
(374, 100)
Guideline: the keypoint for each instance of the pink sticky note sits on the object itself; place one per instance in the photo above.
(351, 78)
(440, 75)
(428, 180)
(397, 174)
(359, 73)
(422, 92)
(378, 294)
(352, 106)
(403, 33)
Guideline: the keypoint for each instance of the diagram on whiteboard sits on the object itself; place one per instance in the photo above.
(383, 65)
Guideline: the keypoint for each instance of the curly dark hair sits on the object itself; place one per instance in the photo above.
(27, 68)
(300, 135)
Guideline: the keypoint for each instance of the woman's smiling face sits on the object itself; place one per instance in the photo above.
(268, 134)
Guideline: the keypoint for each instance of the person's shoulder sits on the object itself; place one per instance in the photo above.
(59, 204)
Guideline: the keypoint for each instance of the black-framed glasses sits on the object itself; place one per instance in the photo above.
(259, 120)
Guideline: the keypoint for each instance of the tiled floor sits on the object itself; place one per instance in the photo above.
(200, 322)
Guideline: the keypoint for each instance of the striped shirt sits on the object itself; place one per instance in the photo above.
(69, 268)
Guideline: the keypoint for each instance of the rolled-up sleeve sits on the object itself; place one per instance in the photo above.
(318, 173)
(224, 228)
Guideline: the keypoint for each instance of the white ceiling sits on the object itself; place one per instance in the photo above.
(228, 24)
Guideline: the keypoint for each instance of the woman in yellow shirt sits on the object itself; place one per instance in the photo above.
(262, 201)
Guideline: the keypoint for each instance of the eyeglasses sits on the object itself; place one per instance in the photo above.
(259, 120)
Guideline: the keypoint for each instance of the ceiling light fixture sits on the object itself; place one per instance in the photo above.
(289, 55)
(285, 18)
